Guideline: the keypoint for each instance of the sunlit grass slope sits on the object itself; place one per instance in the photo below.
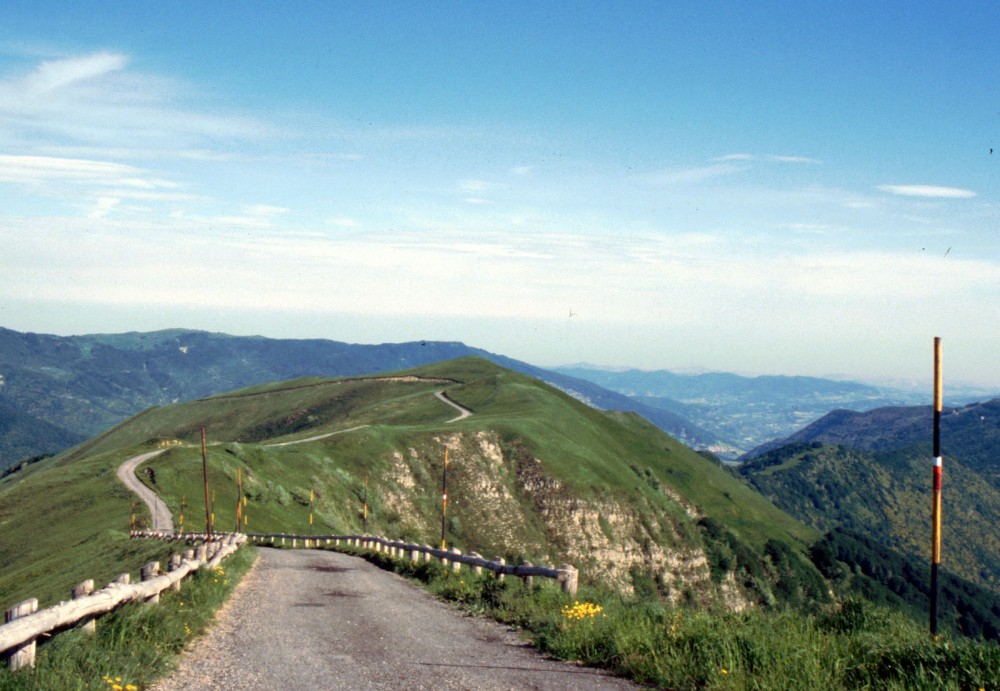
(373, 424)
(61, 526)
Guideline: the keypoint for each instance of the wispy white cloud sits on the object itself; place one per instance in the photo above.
(734, 157)
(816, 228)
(267, 210)
(475, 185)
(791, 159)
(929, 191)
(344, 222)
(104, 207)
(98, 100)
(695, 174)
(53, 75)
(31, 169)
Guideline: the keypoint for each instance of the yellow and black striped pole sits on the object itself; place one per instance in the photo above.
(444, 498)
(364, 516)
(209, 510)
(239, 498)
(311, 498)
(936, 496)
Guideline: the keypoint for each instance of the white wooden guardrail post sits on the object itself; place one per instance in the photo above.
(570, 578)
(500, 573)
(24, 655)
(148, 573)
(173, 565)
(456, 565)
(528, 579)
(89, 625)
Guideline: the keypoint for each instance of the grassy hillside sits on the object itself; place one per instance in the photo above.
(61, 526)
(887, 496)
(533, 473)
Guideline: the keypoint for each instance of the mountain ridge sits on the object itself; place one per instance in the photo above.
(83, 385)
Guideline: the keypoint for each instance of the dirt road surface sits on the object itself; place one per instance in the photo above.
(462, 411)
(321, 620)
(157, 509)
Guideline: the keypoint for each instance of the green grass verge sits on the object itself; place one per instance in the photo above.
(851, 646)
(65, 525)
(137, 643)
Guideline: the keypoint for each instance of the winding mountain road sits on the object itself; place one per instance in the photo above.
(462, 411)
(321, 620)
(162, 520)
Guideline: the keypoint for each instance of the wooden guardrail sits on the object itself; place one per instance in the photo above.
(25, 623)
(567, 574)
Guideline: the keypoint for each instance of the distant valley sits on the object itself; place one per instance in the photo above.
(743, 413)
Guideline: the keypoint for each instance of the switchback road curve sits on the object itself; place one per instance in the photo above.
(162, 519)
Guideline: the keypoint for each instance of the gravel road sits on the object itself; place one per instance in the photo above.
(321, 620)
(157, 509)
(463, 412)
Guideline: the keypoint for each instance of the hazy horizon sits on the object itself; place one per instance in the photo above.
(772, 188)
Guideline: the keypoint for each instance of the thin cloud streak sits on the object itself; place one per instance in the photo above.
(929, 191)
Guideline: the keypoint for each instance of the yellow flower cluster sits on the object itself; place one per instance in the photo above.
(220, 574)
(582, 610)
(116, 684)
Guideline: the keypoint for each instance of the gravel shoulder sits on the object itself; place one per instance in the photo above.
(312, 619)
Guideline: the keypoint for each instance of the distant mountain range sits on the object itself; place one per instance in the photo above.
(55, 390)
(745, 412)
(970, 434)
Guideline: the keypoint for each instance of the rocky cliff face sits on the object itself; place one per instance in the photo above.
(502, 502)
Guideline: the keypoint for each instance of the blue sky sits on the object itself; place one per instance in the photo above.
(793, 188)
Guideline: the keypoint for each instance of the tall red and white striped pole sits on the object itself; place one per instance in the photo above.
(936, 496)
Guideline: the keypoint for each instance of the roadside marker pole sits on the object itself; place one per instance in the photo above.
(311, 497)
(444, 497)
(364, 516)
(239, 497)
(936, 494)
(204, 471)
